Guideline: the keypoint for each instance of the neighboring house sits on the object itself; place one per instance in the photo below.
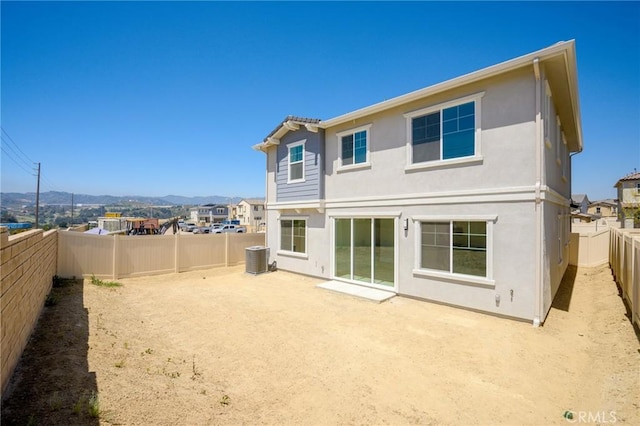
(629, 200)
(604, 208)
(250, 212)
(209, 213)
(458, 193)
(580, 202)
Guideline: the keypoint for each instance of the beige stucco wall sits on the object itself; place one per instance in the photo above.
(508, 146)
(28, 266)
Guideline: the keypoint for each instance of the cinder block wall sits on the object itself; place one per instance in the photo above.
(28, 264)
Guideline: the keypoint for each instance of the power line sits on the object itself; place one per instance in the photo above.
(17, 147)
(18, 153)
(17, 164)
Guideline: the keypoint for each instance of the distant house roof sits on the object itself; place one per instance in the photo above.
(253, 201)
(579, 198)
(631, 176)
(607, 202)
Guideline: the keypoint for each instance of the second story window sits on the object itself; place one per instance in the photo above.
(354, 147)
(444, 132)
(296, 162)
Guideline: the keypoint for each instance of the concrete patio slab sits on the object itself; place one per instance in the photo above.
(368, 293)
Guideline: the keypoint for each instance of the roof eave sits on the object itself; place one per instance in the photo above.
(510, 65)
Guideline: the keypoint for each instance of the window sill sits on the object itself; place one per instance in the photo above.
(444, 163)
(351, 167)
(456, 278)
(296, 181)
(292, 254)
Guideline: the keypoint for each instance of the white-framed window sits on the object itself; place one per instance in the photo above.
(296, 162)
(444, 133)
(459, 248)
(354, 146)
(293, 235)
(220, 210)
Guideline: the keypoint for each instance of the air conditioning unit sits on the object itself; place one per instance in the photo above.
(257, 259)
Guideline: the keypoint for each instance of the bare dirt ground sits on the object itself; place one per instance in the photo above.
(224, 347)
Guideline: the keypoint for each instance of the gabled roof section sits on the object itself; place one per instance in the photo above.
(558, 63)
(252, 201)
(291, 122)
(579, 198)
(631, 176)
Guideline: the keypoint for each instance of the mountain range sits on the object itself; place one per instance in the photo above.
(9, 199)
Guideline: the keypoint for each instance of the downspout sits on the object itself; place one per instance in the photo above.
(537, 319)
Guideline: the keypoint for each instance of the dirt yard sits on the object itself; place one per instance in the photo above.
(223, 347)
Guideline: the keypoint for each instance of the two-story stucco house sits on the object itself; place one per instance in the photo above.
(209, 213)
(629, 199)
(458, 193)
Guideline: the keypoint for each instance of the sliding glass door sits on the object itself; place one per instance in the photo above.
(365, 250)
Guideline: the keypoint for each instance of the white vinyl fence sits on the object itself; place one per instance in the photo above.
(120, 256)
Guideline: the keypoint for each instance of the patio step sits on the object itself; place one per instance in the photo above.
(368, 293)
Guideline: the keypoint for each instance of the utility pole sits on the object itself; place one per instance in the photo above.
(38, 197)
(72, 209)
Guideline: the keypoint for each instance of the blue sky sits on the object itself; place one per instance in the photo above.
(158, 98)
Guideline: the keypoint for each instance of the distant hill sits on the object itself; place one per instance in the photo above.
(12, 199)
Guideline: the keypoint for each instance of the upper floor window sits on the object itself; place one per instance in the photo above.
(296, 162)
(354, 147)
(445, 132)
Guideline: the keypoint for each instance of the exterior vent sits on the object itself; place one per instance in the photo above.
(257, 259)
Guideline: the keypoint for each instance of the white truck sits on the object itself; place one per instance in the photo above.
(228, 228)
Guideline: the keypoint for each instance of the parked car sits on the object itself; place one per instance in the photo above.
(201, 230)
(188, 227)
(228, 228)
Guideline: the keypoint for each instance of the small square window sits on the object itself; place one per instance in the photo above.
(354, 147)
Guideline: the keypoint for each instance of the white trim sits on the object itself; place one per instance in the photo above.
(367, 163)
(353, 167)
(292, 254)
(303, 161)
(367, 214)
(476, 98)
(460, 217)
(437, 164)
(457, 278)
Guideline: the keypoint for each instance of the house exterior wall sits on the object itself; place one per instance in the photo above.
(508, 142)
(311, 187)
(518, 181)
